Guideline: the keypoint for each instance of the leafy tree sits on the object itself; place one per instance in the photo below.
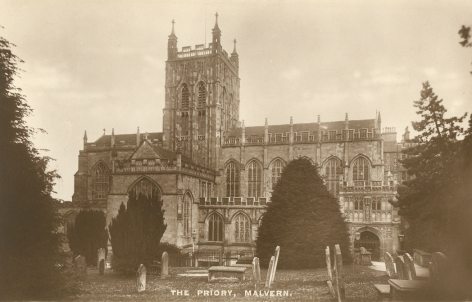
(303, 218)
(29, 244)
(88, 234)
(136, 232)
(464, 33)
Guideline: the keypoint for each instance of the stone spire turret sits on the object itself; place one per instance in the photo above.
(234, 56)
(216, 40)
(172, 44)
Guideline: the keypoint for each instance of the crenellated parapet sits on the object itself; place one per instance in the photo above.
(305, 133)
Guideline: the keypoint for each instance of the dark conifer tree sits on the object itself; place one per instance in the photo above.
(303, 218)
(423, 202)
(29, 245)
(88, 234)
(136, 232)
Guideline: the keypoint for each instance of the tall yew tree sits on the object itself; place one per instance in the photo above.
(29, 245)
(88, 234)
(303, 218)
(136, 232)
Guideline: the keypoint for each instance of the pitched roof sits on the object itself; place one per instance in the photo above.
(284, 128)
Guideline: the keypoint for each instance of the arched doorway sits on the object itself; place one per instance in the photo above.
(371, 242)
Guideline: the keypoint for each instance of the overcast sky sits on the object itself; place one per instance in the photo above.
(91, 65)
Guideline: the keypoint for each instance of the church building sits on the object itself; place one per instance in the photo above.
(215, 175)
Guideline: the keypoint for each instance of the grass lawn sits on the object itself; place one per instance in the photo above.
(302, 285)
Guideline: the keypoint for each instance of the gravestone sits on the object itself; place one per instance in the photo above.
(80, 265)
(165, 265)
(269, 270)
(274, 268)
(409, 266)
(390, 266)
(328, 263)
(366, 257)
(101, 255)
(338, 272)
(400, 267)
(141, 278)
(330, 273)
(256, 271)
(438, 267)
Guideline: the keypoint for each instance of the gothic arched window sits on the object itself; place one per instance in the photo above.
(254, 179)
(215, 228)
(242, 228)
(185, 98)
(333, 172)
(277, 167)
(201, 95)
(145, 187)
(360, 169)
(201, 105)
(232, 179)
(187, 207)
(101, 181)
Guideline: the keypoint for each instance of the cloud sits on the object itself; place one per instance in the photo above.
(291, 74)
(430, 72)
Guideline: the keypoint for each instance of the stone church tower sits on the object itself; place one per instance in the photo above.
(201, 98)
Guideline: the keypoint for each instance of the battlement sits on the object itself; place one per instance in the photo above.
(199, 50)
(389, 130)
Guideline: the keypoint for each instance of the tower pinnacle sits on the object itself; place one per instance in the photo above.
(234, 48)
(216, 41)
(172, 44)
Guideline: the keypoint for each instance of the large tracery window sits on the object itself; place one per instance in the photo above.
(333, 172)
(232, 179)
(201, 95)
(215, 228)
(145, 187)
(187, 217)
(360, 171)
(242, 228)
(277, 167)
(254, 179)
(101, 181)
(185, 98)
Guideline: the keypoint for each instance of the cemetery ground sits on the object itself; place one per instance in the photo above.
(302, 285)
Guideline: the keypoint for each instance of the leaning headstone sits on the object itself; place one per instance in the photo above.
(256, 271)
(165, 265)
(390, 266)
(400, 267)
(274, 268)
(409, 266)
(101, 255)
(141, 278)
(269, 270)
(80, 265)
(328, 263)
(438, 267)
(338, 265)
